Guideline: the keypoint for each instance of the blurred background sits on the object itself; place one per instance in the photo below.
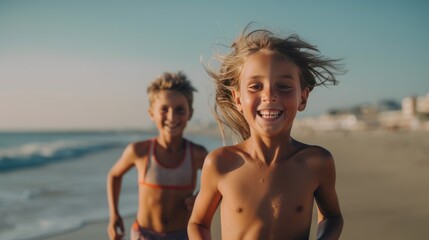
(86, 64)
(73, 79)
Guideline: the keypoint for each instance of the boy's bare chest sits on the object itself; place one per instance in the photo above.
(276, 177)
(287, 187)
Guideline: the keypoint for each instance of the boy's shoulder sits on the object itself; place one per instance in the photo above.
(225, 151)
(314, 155)
(139, 148)
(224, 157)
(319, 160)
(317, 151)
(198, 148)
(199, 154)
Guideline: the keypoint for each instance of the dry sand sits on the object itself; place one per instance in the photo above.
(382, 182)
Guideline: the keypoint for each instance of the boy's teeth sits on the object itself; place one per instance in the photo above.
(269, 113)
(172, 125)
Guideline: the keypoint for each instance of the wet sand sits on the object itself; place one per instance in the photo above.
(382, 182)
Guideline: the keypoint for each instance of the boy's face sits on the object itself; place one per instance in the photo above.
(270, 94)
(170, 112)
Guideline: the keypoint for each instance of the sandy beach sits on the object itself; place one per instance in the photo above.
(381, 182)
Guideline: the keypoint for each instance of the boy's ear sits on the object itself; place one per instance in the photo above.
(304, 97)
(191, 113)
(237, 100)
(150, 113)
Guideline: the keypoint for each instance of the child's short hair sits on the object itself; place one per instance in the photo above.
(314, 70)
(172, 81)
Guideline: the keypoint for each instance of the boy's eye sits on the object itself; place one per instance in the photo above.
(255, 87)
(283, 87)
(180, 110)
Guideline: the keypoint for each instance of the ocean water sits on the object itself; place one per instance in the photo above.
(56, 182)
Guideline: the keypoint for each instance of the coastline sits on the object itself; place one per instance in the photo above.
(97, 230)
(381, 182)
(92, 230)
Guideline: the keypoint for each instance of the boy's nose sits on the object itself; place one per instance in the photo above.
(269, 95)
(170, 115)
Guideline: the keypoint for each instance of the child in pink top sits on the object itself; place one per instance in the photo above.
(166, 166)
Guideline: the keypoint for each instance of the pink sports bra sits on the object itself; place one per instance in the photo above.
(158, 175)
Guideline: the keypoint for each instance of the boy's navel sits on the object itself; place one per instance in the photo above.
(299, 208)
(275, 208)
(238, 210)
(165, 221)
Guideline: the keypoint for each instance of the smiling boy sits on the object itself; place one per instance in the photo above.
(266, 184)
(166, 166)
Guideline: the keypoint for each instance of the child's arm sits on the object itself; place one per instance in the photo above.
(199, 154)
(330, 220)
(207, 201)
(115, 228)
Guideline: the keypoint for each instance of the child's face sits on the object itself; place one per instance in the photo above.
(270, 94)
(170, 112)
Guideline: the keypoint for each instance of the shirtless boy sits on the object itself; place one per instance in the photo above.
(267, 183)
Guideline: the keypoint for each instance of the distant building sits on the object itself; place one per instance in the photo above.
(409, 106)
(422, 104)
(389, 105)
(412, 113)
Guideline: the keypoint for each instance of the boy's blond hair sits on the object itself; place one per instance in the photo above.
(314, 70)
(172, 82)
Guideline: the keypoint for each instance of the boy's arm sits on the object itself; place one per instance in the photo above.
(330, 220)
(199, 154)
(207, 201)
(114, 182)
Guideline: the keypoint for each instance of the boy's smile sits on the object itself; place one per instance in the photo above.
(269, 114)
(267, 183)
(270, 94)
(170, 112)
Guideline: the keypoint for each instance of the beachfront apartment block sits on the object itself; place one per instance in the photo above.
(411, 114)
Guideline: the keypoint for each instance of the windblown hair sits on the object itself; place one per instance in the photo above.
(174, 82)
(314, 70)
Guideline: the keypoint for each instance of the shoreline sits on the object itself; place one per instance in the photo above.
(97, 230)
(381, 182)
(91, 230)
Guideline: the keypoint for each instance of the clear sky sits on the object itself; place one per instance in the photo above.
(86, 64)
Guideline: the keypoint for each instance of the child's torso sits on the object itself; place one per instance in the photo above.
(159, 175)
(262, 201)
(163, 189)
